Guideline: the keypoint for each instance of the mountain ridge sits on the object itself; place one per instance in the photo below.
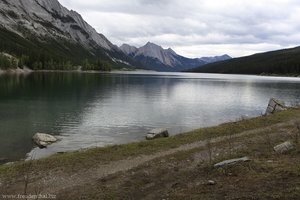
(44, 31)
(284, 61)
(157, 58)
(34, 15)
(43, 34)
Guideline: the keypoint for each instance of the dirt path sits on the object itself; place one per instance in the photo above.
(55, 182)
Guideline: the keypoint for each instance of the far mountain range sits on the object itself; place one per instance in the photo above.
(44, 35)
(154, 57)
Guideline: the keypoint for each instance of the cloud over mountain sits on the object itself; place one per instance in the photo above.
(196, 27)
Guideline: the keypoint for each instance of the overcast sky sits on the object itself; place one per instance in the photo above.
(196, 28)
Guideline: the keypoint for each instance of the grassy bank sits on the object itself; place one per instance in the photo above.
(185, 175)
(73, 161)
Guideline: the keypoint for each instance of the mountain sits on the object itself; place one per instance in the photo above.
(44, 32)
(154, 57)
(128, 50)
(215, 58)
(285, 61)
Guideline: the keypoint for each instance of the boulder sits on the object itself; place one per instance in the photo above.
(42, 140)
(157, 133)
(3, 160)
(211, 182)
(283, 147)
(231, 162)
(274, 106)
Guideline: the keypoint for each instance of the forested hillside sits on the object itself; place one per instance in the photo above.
(49, 54)
(42, 34)
(286, 61)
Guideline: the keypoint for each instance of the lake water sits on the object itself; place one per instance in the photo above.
(94, 109)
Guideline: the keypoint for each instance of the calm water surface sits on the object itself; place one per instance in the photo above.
(92, 109)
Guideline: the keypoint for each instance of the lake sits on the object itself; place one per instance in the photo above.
(98, 109)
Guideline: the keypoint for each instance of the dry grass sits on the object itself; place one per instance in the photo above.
(183, 176)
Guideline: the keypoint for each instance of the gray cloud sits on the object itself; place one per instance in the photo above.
(196, 28)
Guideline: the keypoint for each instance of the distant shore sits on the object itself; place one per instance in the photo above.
(281, 75)
(25, 70)
(28, 71)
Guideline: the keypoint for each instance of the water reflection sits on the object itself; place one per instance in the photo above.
(99, 109)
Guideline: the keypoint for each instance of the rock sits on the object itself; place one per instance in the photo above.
(157, 133)
(231, 162)
(284, 147)
(275, 106)
(42, 140)
(211, 182)
(3, 160)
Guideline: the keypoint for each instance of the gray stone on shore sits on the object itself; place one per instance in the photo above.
(284, 147)
(274, 106)
(231, 162)
(42, 140)
(3, 160)
(211, 182)
(157, 133)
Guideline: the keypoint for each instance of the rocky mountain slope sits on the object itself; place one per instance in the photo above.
(42, 34)
(50, 27)
(154, 57)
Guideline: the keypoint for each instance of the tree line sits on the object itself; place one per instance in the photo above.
(275, 62)
(48, 54)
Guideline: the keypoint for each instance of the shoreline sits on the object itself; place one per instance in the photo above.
(28, 71)
(68, 175)
(23, 153)
(25, 70)
(177, 136)
(176, 160)
(278, 75)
